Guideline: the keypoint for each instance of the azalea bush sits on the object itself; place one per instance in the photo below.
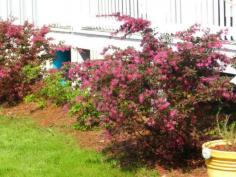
(23, 48)
(164, 95)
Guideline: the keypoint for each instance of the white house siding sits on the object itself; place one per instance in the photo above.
(76, 23)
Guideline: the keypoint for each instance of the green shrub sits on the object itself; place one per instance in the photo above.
(56, 89)
(53, 88)
(41, 103)
(85, 111)
(31, 73)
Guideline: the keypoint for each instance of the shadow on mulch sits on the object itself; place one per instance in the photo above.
(131, 156)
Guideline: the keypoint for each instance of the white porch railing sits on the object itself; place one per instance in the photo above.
(167, 15)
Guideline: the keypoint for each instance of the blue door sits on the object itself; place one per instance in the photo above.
(60, 58)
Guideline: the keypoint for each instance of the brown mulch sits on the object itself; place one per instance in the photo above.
(53, 116)
(199, 172)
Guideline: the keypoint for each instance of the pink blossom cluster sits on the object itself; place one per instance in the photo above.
(13, 31)
(61, 47)
(131, 25)
(3, 73)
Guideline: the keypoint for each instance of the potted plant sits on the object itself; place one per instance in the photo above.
(220, 155)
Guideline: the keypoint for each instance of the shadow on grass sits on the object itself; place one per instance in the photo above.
(129, 159)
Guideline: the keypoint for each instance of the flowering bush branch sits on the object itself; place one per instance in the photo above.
(23, 48)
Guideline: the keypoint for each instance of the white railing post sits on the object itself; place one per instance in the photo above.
(210, 10)
(154, 15)
(228, 14)
(93, 11)
(234, 19)
(120, 6)
(9, 8)
(3, 9)
(15, 11)
(143, 8)
(84, 12)
(231, 19)
(134, 8)
(167, 6)
(215, 13)
(206, 9)
(76, 14)
(21, 17)
(27, 8)
(179, 11)
(172, 12)
(234, 14)
(186, 9)
(221, 13)
(204, 14)
(34, 12)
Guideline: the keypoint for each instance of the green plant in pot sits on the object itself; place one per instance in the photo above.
(220, 155)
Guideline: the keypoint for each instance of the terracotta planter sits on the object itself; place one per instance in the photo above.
(219, 163)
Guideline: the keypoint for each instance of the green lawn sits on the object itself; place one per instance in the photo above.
(27, 150)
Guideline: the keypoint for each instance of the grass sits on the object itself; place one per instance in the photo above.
(28, 150)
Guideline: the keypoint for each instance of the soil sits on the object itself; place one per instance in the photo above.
(53, 116)
(199, 172)
(228, 148)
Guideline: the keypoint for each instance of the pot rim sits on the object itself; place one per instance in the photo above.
(219, 153)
